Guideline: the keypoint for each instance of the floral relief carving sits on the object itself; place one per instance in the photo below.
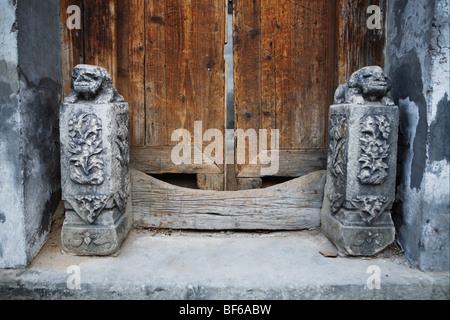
(89, 207)
(370, 207)
(336, 201)
(122, 140)
(85, 145)
(337, 161)
(87, 238)
(375, 130)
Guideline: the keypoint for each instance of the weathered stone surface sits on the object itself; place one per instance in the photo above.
(94, 164)
(30, 95)
(221, 266)
(103, 237)
(360, 188)
(418, 61)
(92, 83)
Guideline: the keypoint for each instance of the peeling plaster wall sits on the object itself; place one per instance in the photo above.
(30, 95)
(417, 59)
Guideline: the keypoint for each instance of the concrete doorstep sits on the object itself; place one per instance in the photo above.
(165, 264)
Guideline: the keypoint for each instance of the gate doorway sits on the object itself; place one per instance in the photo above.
(166, 57)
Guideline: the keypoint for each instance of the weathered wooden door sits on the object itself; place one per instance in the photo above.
(289, 57)
(166, 59)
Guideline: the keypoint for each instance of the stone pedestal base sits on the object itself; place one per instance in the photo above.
(96, 239)
(357, 240)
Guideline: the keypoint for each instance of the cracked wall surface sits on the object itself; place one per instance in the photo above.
(417, 59)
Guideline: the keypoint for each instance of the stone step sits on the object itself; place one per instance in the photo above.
(170, 265)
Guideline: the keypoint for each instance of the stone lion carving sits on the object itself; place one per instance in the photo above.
(369, 84)
(92, 83)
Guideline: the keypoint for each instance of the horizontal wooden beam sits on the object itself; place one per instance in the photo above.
(293, 205)
(158, 160)
(292, 163)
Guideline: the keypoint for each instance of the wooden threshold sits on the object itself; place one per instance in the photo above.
(293, 205)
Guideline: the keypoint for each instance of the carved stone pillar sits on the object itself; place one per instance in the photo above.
(94, 121)
(362, 153)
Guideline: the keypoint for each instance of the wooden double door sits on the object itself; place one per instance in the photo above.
(166, 57)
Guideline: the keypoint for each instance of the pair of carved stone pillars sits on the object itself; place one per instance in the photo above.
(360, 184)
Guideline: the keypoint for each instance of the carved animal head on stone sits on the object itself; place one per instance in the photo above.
(368, 84)
(92, 83)
(88, 80)
(371, 82)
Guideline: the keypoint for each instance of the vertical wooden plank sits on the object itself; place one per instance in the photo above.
(184, 70)
(155, 73)
(285, 104)
(312, 77)
(225, 29)
(180, 60)
(356, 45)
(100, 35)
(72, 43)
(304, 71)
(247, 65)
(377, 37)
(269, 34)
(123, 45)
(136, 23)
(130, 64)
(286, 77)
(209, 62)
(194, 65)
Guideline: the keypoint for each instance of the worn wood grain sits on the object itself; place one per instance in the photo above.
(155, 73)
(136, 71)
(356, 45)
(247, 65)
(195, 67)
(211, 181)
(225, 29)
(293, 205)
(311, 80)
(101, 35)
(180, 64)
(284, 70)
(166, 58)
(158, 160)
(209, 65)
(292, 163)
(269, 34)
(130, 68)
(72, 43)
(248, 183)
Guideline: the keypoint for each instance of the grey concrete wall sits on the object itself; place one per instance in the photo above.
(30, 95)
(12, 233)
(417, 59)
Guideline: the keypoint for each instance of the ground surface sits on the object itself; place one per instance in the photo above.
(166, 264)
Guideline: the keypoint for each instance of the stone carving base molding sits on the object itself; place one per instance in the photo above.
(357, 240)
(101, 238)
